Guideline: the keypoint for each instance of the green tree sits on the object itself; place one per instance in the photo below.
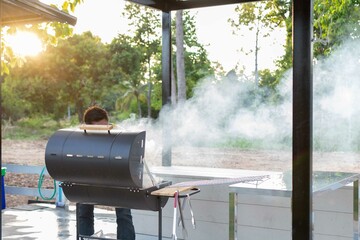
(48, 32)
(262, 18)
(14, 107)
(31, 87)
(197, 63)
(146, 23)
(79, 65)
(254, 17)
(334, 21)
(127, 72)
(70, 74)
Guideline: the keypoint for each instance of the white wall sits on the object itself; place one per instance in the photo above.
(259, 217)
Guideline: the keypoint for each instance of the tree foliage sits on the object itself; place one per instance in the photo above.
(79, 64)
(127, 72)
(334, 21)
(255, 17)
(70, 74)
(81, 70)
(146, 23)
(48, 32)
(197, 63)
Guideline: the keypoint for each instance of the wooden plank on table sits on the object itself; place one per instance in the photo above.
(170, 191)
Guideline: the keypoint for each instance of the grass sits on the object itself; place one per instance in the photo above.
(33, 128)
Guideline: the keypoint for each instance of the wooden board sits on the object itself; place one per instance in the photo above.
(96, 127)
(170, 191)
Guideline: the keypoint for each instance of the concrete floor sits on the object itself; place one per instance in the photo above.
(46, 221)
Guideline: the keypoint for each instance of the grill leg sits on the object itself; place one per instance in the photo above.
(160, 219)
(77, 221)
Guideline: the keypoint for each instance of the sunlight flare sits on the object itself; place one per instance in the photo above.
(25, 43)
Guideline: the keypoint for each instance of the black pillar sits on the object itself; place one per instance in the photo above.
(166, 84)
(302, 120)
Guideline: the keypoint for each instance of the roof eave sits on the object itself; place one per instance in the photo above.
(33, 11)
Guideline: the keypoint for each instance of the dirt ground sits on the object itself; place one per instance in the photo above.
(22, 153)
(27, 152)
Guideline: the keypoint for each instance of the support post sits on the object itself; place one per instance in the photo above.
(233, 216)
(356, 209)
(302, 218)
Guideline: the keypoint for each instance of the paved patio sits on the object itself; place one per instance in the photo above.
(46, 221)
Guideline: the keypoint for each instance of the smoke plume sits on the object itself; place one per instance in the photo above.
(227, 112)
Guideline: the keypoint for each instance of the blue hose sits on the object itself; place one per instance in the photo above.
(40, 182)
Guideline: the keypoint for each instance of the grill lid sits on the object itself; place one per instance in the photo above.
(96, 158)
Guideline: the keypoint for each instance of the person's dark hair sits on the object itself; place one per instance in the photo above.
(95, 114)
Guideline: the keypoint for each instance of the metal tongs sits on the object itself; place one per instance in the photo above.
(176, 221)
(185, 200)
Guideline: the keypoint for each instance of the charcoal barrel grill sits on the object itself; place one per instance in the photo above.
(102, 167)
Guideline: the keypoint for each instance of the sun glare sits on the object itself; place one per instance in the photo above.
(25, 44)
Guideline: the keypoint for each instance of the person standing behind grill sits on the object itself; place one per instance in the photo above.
(125, 228)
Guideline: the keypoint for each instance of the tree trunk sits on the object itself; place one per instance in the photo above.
(138, 106)
(149, 90)
(180, 62)
(173, 84)
(80, 109)
(256, 57)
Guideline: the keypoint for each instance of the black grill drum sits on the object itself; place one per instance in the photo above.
(98, 158)
(116, 197)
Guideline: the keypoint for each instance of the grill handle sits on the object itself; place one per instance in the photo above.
(97, 127)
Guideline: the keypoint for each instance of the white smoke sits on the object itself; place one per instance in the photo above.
(337, 98)
(222, 111)
(226, 110)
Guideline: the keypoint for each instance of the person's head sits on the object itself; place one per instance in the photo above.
(96, 115)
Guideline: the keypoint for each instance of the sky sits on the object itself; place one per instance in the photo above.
(104, 20)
